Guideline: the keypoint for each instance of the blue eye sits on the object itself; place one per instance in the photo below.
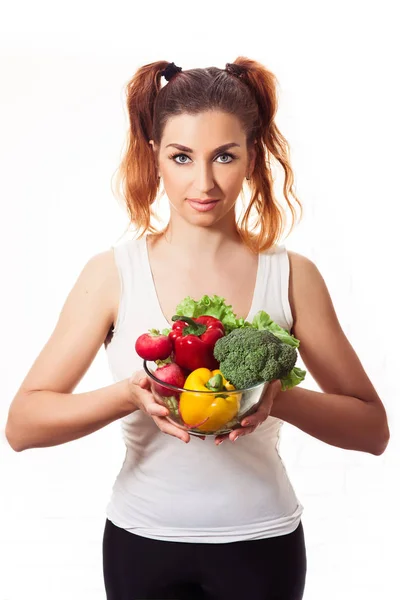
(231, 156)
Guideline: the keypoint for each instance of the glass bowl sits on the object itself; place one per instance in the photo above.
(226, 413)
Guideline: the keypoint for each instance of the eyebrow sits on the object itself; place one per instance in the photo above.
(219, 149)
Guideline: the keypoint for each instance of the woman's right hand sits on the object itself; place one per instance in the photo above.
(144, 400)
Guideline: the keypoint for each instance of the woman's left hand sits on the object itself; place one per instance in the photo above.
(250, 423)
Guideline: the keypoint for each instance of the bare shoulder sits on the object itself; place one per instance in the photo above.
(325, 350)
(102, 265)
(101, 274)
(309, 298)
(301, 268)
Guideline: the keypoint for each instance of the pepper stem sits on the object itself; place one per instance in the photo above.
(192, 328)
(215, 383)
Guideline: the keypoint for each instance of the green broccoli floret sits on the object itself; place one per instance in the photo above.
(249, 356)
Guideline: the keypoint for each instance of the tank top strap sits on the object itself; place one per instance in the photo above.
(127, 258)
(272, 289)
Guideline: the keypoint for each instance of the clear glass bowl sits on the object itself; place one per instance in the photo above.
(226, 413)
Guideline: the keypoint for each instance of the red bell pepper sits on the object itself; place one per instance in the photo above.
(193, 341)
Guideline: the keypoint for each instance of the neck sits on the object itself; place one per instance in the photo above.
(195, 242)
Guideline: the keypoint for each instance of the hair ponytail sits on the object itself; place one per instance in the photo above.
(271, 144)
(136, 182)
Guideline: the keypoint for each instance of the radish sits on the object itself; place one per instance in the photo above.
(153, 345)
(172, 374)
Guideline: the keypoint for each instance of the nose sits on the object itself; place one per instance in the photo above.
(203, 177)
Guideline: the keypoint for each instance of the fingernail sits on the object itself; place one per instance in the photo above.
(246, 423)
(219, 442)
(235, 438)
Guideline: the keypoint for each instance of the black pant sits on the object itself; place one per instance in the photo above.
(138, 568)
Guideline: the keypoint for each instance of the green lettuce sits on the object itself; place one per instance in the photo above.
(214, 306)
(262, 320)
(295, 377)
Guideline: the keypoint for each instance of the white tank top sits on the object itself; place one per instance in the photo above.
(196, 492)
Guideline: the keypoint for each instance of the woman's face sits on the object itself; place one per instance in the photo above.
(203, 170)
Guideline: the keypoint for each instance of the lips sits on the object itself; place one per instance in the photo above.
(203, 205)
(205, 201)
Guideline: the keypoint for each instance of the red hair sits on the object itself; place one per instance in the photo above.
(252, 98)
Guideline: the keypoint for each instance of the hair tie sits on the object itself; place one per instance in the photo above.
(236, 70)
(170, 70)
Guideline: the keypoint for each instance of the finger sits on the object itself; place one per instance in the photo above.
(241, 431)
(251, 422)
(220, 438)
(167, 427)
(156, 410)
(258, 417)
(137, 376)
(145, 383)
(255, 417)
(264, 409)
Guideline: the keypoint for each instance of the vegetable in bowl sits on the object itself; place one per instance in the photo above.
(207, 404)
(249, 356)
(208, 340)
(206, 412)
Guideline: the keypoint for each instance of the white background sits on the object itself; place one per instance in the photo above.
(63, 123)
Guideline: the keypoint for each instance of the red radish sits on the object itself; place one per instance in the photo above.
(172, 374)
(153, 345)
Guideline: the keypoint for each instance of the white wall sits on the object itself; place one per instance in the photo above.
(62, 129)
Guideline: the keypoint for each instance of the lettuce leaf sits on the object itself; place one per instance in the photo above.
(215, 306)
(262, 320)
(295, 377)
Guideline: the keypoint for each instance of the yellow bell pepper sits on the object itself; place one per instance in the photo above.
(208, 412)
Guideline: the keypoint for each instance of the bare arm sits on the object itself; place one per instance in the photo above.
(348, 413)
(44, 411)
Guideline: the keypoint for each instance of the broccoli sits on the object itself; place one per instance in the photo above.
(249, 356)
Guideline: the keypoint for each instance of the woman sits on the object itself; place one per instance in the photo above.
(199, 521)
